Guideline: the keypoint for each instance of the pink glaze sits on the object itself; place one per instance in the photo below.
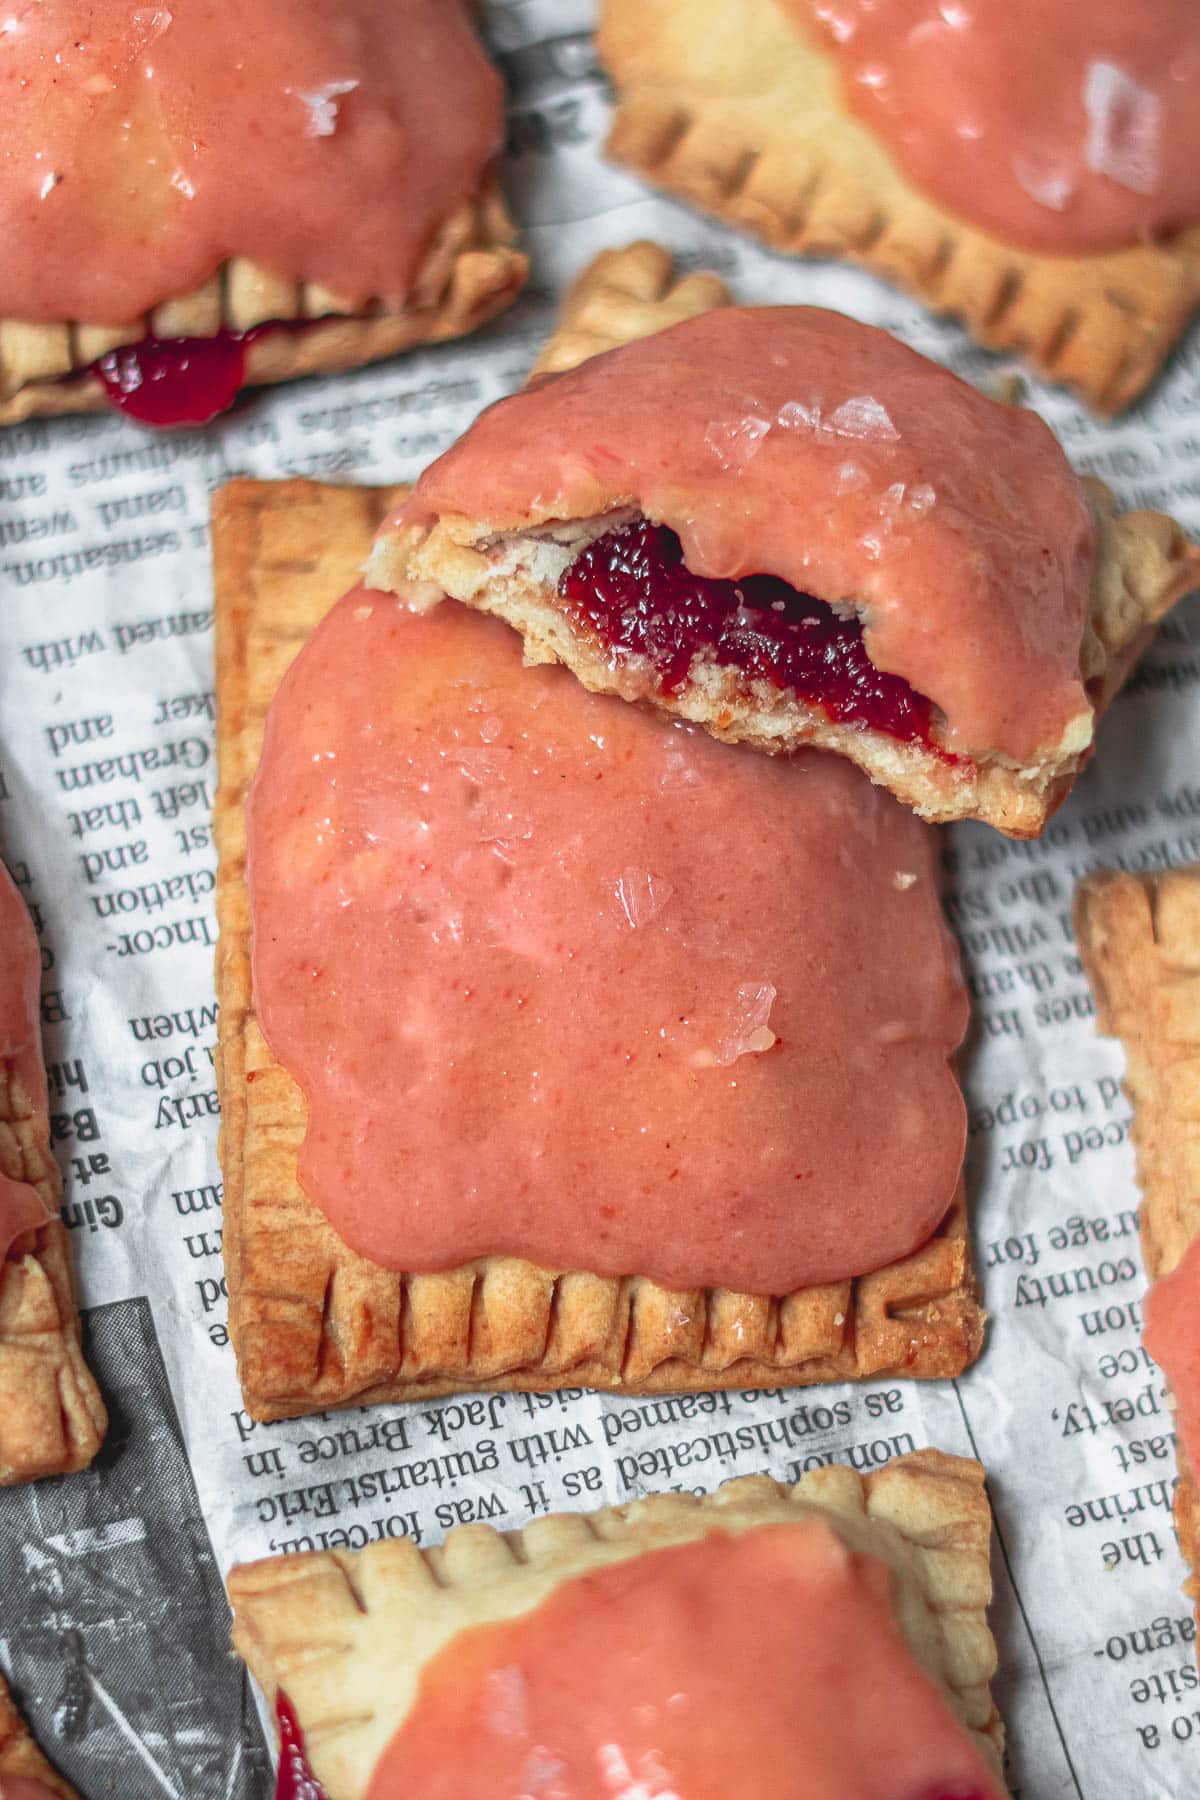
(762, 1666)
(24, 1787)
(1172, 1336)
(143, 145)
(510, 938)
(21, 1206)
(797, 443)
(1065, 127)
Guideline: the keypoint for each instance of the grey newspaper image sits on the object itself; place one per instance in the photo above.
(114, 1629)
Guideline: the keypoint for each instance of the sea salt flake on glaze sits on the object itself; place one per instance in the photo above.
(640, 896)
(748, 1034)
(322, 106)
(735, 442)
(1124, 125)
(1045, 183)
(863, 417)
(795, 416)
(505, 1709)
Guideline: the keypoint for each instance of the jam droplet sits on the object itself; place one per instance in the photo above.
(633, 591)
(296, 1780)
(175, 381)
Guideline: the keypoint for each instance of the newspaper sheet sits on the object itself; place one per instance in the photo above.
(113, 1626)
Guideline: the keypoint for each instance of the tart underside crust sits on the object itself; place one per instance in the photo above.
(471, 271)
(735, 111)
(1139, 938)
(344, 1633)
(1143, 564)
(52, 1419)
(19, 1755)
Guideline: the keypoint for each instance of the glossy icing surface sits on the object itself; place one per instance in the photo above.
(794, 442)
(1067, 128)
(563, 979)
(145, 145)
(1172, 1336)
(761, 1666)
(21, 1206)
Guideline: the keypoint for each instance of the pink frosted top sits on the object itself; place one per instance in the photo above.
(144, 145)
(21, 1206)
(797, 443)
(562, 979)
(1065, 127)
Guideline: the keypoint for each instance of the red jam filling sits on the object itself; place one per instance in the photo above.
(632, 590)
(296, 1780)
(175, 381)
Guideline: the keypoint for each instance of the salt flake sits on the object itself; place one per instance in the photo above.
(1124, 125)
(641, 896)
(322, 106)
(748, 1033)
(734, 442)
(863, 417)
(1047, 183)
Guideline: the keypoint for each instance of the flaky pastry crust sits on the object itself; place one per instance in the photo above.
(52, 1419)
(316, 1326)
(1143, 564)
(345, 1634)
(1139, 938)
(19, 1755)
(471, 272)
(733, 110)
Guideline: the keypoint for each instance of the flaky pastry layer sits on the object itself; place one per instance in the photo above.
(471, 272)
(1143, 564)
(316, 1326)
(346, 1634)
(52, 1419)
(1139, 938)
(732, 109)
(19, 1754)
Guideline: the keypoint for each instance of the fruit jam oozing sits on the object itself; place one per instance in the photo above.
(633, 591)
(175, 381)
(296, 1780)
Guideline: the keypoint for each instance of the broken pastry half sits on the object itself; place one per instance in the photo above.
(1031, 171)
(24, 1772)
(560, 1045)
(830, 1637)
(52, 1419)
(788, 527)
(199, 198)
(1139, 938)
